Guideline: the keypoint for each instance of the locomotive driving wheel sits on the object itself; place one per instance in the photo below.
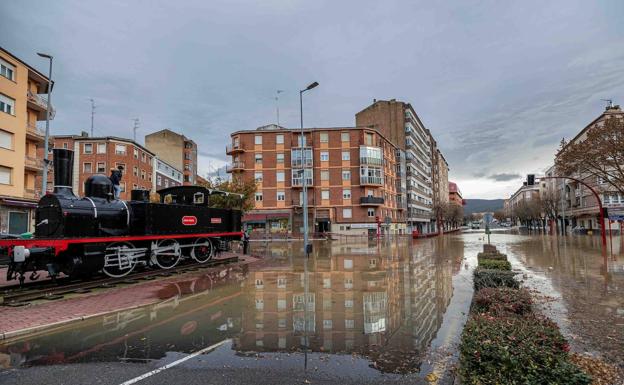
(166, 253)
(203, 250)
(119, 259)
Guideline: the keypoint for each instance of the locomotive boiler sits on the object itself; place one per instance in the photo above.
(79, 236)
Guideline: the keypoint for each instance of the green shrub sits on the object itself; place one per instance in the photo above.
(516, 350)
(497, 256)
(494, 264)
(494, 278)
(501, 301)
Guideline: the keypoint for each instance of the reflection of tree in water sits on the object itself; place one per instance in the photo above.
(386, 304)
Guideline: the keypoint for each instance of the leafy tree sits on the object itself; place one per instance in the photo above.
(246, 188)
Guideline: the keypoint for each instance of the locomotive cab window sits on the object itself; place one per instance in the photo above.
(198, 198)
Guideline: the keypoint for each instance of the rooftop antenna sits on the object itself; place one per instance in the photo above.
(610, 101)
(277, 104)
(92, 114)
(135, 127)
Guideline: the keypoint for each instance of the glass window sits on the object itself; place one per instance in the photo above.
(135, 171)
(325, 194)
(346, 213)
(281, 196)
(87, 148)
(281, 304)
(279, 139)
(259, 197)
(349, 324)
(101, 167)
(327, 324)
(324, 156)
(280, 176)
(348, 303)
(258, 176)
(120, 149)
(86, 167)
(5, 175)
(101, 148)
(7, 70)
(6, 139)
(346, 155)
(346, 175)
(348, 283)
(371, 212)
(281, 323)
(326, 283)
(324, 174)
(258, 139)
(280, 157)
(344, 136)
(348, 263)
(258, 158)
(7, 105)
(324, 137)
(136, 153)
(346, 193)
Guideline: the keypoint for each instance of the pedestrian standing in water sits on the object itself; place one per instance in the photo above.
(246, 241)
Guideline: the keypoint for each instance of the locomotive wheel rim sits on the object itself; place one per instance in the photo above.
(167, 259)
(203, 250)
(114, 271)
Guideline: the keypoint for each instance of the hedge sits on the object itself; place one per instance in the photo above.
(502, 301)
(497, 256)
(494, 264)
(516, 350)
(494, 278)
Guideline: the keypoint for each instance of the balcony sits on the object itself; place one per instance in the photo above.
(40, 104)
(33, 164)
(30, 193)
(235, 166)
(371, 180)
(298, 182)
(33, 132)
(296, 161)
(234, 148)
(371, 201)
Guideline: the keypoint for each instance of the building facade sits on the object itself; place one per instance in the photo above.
(177, 150)
(353, 175)
(454, 194)
(165, 175)
(399, 122)
(23, 110)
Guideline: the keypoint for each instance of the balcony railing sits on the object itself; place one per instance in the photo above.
(32, 128)
(235, 166)
(371, 180)
(40, 101)
(298, 182)
(32, 163)
(234, 147)
(371, 161)
(371, 201)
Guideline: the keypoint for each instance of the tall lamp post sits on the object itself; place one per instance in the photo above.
(44, 187)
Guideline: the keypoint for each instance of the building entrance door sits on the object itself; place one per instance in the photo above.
(18, 222)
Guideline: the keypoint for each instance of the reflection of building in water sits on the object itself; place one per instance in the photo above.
(360, 300)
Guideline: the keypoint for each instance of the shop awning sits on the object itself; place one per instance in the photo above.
(18, 203)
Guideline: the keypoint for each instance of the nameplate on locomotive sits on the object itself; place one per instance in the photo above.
(189, 220)
(215, 220)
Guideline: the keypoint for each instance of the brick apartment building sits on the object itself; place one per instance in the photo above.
(177, 150)
(352, 174)
(23, 110)
(454, 194)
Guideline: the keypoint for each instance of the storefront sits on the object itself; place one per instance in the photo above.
(269, 222)
(16, 215)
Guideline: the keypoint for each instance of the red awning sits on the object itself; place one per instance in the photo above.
(18, 203)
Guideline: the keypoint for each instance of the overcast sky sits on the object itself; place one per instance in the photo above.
(497, 83)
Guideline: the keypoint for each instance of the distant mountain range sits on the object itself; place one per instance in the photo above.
(481, 205)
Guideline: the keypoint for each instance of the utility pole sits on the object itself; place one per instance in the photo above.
(44, 187)
(277, 104)
(92, 114)
(135, 128)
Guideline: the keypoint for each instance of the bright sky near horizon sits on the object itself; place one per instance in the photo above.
(498, 83)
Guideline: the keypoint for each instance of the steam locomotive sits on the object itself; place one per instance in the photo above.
(82, 236)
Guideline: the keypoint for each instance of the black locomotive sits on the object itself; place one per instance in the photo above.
(81, 236)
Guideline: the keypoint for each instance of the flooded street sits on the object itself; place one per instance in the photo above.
(387, 312)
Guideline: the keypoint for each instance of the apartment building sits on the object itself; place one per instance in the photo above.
(97, 155)
(454, 194)
(23, 110)
(177, 150)
(165, 175)
(399, 122)
(526, 194)
(353, 176)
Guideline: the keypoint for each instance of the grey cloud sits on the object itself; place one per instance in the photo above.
(504, 177)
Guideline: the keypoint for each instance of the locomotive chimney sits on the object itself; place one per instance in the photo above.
(63, 168)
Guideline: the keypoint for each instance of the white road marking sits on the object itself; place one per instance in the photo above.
(174, 363)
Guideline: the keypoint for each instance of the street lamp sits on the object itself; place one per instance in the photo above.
(304, 185)
(44, 187)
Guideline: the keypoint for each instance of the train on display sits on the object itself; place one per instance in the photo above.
(82, 236)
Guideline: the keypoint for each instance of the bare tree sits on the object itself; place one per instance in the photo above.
(551, 203)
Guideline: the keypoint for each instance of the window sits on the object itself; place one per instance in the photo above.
(5, 175)
(258, 197)
(143, 157)
(65, 145)
(301, 141)
(369, 139)
(7, 105)
(346, 213)
(371, 212)
(348, 263)
(348, 283)
(346, 175)
(158, 180)
(135, 171)
(349, 324)
(143, 174)
(281, 282)
(122, 185)
(344, 136)
(101, 148)
(259, 304)
(326, 283)
(348, 303)
(280, 176)
(166, 182)
(7, 70)
(258, 139)
(120, 149)
(87, 148)
(281, 196)
(281, 304)
(258, 158)
(259, 284)
(346, 155)
(346, 193)
(281, 323)
(327, 324)
(324, 137)
(86, 167)
(279, 139)
(324, 156)
(6, 140)
(258, 176)
(324, 174)
(101, 167)
(279, 157)
(136, 153)
(325, 194)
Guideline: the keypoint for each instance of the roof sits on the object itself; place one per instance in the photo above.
(453, 188)
(111, 138)
(167, 130)
(615, 110)
(33, 69)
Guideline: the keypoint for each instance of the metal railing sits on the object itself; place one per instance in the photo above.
(371, 200)
(371, 161)
(236, 165)
(32, 128)
(371, 180)
(229, 148)
(40, 101)
(32, 162)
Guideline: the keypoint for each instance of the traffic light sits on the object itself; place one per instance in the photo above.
(530, 179)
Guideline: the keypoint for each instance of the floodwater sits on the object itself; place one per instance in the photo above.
(359, 309)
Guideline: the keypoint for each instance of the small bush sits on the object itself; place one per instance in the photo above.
(496, 256)
(516, 350)
(502, 301)
(494, 264)
(494, 278)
